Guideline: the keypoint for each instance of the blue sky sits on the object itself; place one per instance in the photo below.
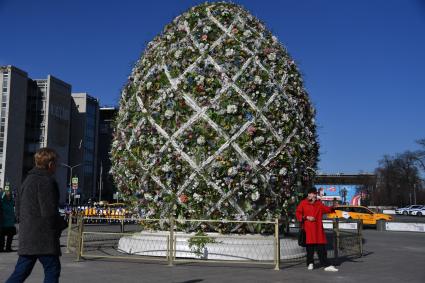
(363, 61)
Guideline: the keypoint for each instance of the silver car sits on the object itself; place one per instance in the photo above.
(406, 210)
(418, 211)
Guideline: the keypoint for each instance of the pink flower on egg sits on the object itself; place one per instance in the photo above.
(251, 130)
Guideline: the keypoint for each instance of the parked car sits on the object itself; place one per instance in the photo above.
(367, 216)
(406, 210)
(418, 211)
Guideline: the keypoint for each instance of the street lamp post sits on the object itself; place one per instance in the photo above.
(70, 179)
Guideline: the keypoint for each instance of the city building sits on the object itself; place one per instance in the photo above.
(13, 86)
(106, 184)
(48, 124)
(55, 119)
(83, 144)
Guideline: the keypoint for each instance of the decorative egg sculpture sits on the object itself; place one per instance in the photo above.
(214, 122)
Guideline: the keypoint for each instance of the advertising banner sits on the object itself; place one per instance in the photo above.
(344, 194)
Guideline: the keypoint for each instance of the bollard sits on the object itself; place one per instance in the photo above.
(380, 225)
(80, 237)
(122, 225)
(68, 241)
(277, 244)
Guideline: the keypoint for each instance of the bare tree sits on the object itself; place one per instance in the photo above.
(398, 180)
(420, 154)
(409, 173)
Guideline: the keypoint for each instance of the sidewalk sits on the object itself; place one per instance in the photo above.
(389, 257)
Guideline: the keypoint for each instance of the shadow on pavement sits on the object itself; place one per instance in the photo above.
(344, 259)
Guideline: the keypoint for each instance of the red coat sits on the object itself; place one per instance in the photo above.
(313, 229)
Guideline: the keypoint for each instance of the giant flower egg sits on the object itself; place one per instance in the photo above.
(214, 122)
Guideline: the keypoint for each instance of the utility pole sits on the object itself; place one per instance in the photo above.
(70, 179)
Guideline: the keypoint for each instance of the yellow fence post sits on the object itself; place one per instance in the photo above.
(68, 238)
(335, 225)
(277, 245)
(171, 242)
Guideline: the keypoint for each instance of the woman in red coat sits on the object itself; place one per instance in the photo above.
(309, 213)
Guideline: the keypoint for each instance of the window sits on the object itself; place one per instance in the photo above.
(362, 210)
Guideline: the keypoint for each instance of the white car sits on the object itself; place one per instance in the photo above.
(406, 210)
(418, 211)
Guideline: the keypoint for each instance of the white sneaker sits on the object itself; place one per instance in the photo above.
(331, 268)
(310, 266)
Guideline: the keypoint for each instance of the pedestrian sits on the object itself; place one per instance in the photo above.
(8, 229)
(1, 213)
(40, 224)
(309, 213)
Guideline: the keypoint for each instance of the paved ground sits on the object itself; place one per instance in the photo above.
(389, 257)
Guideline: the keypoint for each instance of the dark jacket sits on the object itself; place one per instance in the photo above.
(8, 212)
(38, 215)
(1, 215)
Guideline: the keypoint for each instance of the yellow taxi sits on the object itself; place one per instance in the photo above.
(367, 216)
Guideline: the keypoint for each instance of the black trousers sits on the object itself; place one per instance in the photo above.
(321, 252)
(6, 235)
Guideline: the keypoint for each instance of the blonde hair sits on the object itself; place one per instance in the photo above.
(44, 157)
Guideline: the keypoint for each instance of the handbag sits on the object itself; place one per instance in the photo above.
(301, 237)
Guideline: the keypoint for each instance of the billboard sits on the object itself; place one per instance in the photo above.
(344, 194)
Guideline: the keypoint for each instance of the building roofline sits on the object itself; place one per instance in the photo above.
(15, 69)
(84, 94)
(51, 77)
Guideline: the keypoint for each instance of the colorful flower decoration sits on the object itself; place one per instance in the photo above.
(214, 122)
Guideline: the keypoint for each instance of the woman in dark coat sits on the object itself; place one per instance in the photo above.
(1, 214)
(40, 224)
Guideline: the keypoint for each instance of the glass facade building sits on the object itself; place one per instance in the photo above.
(106, 118)
(83, 144)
